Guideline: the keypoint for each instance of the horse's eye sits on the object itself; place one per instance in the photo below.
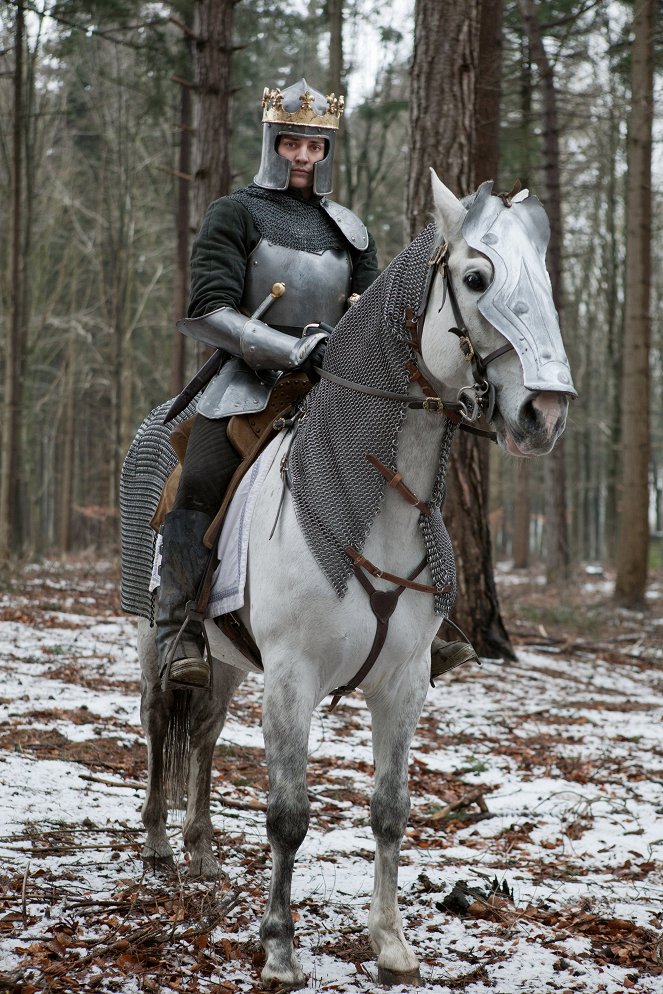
(474, 281)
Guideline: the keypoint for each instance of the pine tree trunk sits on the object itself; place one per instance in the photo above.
(182, 225)
(335, 20)
(212, 58)
(633, 520)
(557, 542)
(10, 465)
(444, 108)
(523, 475)
(520, 549)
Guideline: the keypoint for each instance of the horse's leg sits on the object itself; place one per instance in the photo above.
(287, 707)
(154, 712)
(208, 714)
(395, 710)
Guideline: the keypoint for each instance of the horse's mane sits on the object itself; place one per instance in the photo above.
(336, 492)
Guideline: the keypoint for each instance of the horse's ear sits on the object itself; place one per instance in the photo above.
(449, 211)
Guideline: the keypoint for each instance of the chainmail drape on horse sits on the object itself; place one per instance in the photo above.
(336, 492)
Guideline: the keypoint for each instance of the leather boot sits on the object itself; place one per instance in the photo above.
(184, 558)
(445, 656)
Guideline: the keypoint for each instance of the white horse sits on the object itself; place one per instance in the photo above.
(312, 641)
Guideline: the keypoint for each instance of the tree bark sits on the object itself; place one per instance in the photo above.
(336, 74)
(183, 237)
(520, 549)
(633, 519)
(557, 542)
(445, 104)
(10, 537)
(522, 503)
(212, 60)
(489, 89)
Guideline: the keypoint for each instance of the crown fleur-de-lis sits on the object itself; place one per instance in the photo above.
(307, 100)
(341, 105)
(332, 103)
(272, 98)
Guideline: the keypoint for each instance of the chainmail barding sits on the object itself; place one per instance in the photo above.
(337, 494)
(290, 221)
(148, 464)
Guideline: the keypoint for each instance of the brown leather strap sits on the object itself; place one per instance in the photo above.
(411, 324)
(383, 604)
(402, 581)
(416, 376)
(395, 480)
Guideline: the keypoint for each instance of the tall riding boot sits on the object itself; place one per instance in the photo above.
(184, 557)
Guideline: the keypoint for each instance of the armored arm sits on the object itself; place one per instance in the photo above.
(260, 346)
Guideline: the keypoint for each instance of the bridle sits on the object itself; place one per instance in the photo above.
(473, 400)
(478, 398)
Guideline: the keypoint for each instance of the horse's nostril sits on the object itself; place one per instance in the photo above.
(528, 413)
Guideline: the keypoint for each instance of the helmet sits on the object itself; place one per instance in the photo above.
(297, 110)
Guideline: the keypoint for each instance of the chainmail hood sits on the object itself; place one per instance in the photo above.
(289, 220)
(337, 494)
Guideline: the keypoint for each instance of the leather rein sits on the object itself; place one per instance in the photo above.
(472, 401)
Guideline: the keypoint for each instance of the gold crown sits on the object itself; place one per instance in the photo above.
(273, 111)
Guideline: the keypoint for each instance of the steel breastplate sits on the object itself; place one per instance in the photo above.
(317, 284)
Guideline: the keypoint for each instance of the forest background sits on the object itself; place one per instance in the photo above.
(112, 142)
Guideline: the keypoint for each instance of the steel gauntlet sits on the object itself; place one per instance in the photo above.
(260, 346)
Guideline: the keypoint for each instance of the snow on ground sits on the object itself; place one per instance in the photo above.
(544, 775)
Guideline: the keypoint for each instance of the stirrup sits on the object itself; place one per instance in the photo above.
(173, 683)
(455, 654)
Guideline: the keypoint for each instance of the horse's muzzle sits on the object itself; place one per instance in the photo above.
(541, 421)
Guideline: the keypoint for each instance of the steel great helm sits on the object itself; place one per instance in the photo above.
(297, 110)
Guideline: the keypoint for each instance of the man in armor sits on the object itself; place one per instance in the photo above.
(280, 229)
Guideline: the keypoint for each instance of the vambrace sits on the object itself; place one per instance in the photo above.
(260, 346)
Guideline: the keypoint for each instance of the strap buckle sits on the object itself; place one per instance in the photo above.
(466, 348)
(433, 404)
(438, 254)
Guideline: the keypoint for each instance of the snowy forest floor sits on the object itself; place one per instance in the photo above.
(545, 775)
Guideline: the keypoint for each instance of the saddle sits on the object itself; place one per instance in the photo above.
(249, 434)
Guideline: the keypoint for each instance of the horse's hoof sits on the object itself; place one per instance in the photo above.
(389, 978)
(204, 868)
(291, 977)
(160, 865)
(276, 984)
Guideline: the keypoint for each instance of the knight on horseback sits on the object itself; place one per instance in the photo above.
(280, 231)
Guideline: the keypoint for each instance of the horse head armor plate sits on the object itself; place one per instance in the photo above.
(519, 301)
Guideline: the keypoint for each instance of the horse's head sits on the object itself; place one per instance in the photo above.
(491, 331)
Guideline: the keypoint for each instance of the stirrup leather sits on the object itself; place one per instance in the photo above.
(203, 661)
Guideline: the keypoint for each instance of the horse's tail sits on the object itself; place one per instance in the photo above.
(176, 751)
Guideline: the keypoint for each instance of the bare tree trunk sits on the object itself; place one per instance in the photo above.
(183, 225)
(335, 18)
(442, 102)
(212, 60)
(633, 519)
(521, 516)
(557, 543)
(489, 89)
(444, 107)
(68, 428)
(10, 537)
(522, 504)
